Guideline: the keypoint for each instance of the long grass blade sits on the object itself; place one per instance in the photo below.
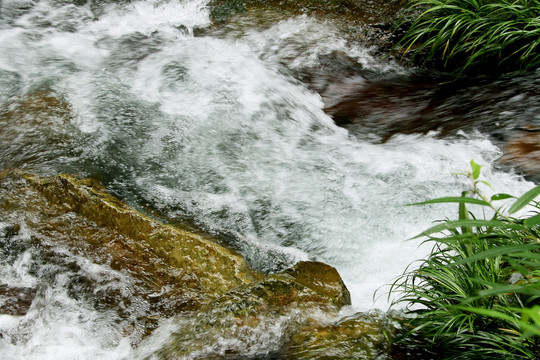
(453, 199)
(525, 199)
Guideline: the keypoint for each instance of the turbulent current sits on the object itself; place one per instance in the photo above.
(212, 130)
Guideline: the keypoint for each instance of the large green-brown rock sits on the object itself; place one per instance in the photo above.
(255, 319)
(174, 268)
(220, 305)
(323, 279)
(307, 283)
(363, 336)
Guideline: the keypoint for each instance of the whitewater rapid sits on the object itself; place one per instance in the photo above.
(214, 131)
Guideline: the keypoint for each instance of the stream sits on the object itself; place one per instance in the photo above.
(216, 130)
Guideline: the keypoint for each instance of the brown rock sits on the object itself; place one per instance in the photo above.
(323, 279)
(15, 300)
(523, 152)
(286, 300)
(359, 337)
(175, 269)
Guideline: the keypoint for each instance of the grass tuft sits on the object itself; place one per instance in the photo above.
(477, 295)
(463, 34)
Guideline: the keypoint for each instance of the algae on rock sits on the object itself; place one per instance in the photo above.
(255, 319)
(36, 129)
(208, 301)
(175, 269)
(361, 336)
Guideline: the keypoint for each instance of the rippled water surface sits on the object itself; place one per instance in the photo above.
(214, 130)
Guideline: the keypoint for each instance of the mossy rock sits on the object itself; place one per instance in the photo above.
(175, 269)
(36, 129)
(323, 279)
(211, 289)
(307, 283)
(238, 318)
(351, 10)
(363, 336)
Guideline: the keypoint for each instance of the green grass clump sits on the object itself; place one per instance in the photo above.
(477, 295)
(462, 34)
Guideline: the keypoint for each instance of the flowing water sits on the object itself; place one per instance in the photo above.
(215, 131)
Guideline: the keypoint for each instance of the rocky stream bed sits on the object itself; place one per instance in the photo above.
(185, 179)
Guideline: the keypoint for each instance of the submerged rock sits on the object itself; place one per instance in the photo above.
(15, 300)
(36, 129)
(10, 85)
(360, 337)
(174, 269)
(366, 11)
(218, 302)
(253, 320)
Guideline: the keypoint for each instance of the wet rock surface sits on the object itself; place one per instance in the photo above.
(149, 271)
(500, 108)
(215, 268)
(366, 11)
(166, 270)
(268, 311)
(523, 151)
(305, 283)
(16, 300)
(360, 336)
(35, 129)
(323, 279)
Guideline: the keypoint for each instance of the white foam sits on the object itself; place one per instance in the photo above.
(300, 41)
(58, 327)
(210, 129)
(155, 15)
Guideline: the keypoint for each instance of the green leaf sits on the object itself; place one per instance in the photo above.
(525, 199)
(456, 239)
(485, 183)
(532, 221)
(463, 214)
(507, 289)
(451, 225)
(475, 169)
(501, 196)
(488, 312)
(501, 250)
(453, 199)
(532, 314)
